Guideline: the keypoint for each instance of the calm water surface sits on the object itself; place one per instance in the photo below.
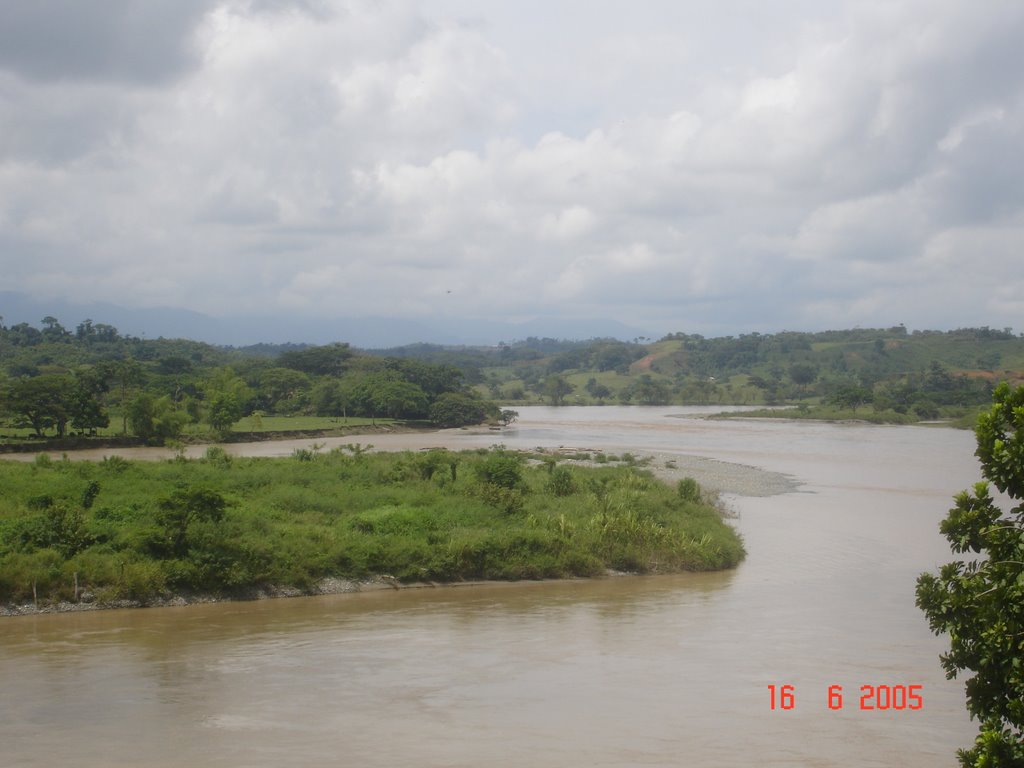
(633, 671)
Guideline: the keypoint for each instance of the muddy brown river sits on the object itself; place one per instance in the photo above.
(625, 671)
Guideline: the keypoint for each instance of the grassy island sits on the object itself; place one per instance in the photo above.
(122, 530)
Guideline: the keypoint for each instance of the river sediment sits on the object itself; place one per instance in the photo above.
(327, 586)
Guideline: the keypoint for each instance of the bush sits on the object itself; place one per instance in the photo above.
(508, 500)
(141, 580)
(435, 461)
(115, 465)
(561, 482)
(155, 419)
(501, 468)
(688, 490)
(31, 576)
(218, 457)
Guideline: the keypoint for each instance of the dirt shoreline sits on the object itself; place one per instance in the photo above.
(326, 586)
(712, 475)
(80, 443)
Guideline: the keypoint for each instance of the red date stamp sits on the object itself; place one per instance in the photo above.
(872, 697)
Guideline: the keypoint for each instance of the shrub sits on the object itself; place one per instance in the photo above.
(561, 482)
(115, 465)
(141, 580)
(436, 461)
(688, 490)
(218, 457)
(30, 576)
(501, 468)
(508, 500)
(304, 454)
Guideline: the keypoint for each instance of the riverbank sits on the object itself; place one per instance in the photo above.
(714, 476)
(93, 444)
(327, 586)
(957, 418)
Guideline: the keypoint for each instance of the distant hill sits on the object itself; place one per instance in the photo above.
(367, 332)
(898, 370)
(900, 374)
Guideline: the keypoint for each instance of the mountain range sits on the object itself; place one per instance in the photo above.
(366, 332)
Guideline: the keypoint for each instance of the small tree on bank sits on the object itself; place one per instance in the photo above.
(556, 388)
(456, 409)
(980, 603)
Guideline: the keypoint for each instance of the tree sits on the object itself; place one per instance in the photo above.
(556, 388)
(184, 507)
(980, 603)
(155, 419)
(86, 410)
(282, 389)
(127, 374)
(105, 332)
(648, 391)
(224, 411)
(24, 335)
(381, 394)
(455, 409)
(42, 402)
(433, 379)
(850, 396)
(333, 397)
(85, 332)
(398, 400)
(53, 331)
(328, 360)
(597, 390)
(802, 374)
(228, 398)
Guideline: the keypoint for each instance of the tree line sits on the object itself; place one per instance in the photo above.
(57, 382)
(916, 375)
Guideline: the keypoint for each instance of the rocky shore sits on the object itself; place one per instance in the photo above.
(712, 474)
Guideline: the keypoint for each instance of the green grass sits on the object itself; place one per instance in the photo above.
(616, 382)
(959, 417)
(247, 424)
(435, 516)
(303, 423)
(12, 434)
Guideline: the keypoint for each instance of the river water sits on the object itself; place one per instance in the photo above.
(626, 671)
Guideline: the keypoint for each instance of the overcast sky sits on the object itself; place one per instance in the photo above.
(712, 166)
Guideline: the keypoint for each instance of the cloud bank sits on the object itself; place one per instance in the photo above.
(717, 168)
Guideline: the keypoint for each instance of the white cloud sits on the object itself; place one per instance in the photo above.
(675, 166)
(958, 132)
(880, 228)
(765, 93)
(568, 224)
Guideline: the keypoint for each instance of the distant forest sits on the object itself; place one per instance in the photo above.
(90, 380)
(891, 372)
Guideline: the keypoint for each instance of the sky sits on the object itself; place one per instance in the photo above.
(706, 166)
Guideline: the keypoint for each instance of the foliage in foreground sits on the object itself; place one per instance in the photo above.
(138, 530)
(980, 603)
